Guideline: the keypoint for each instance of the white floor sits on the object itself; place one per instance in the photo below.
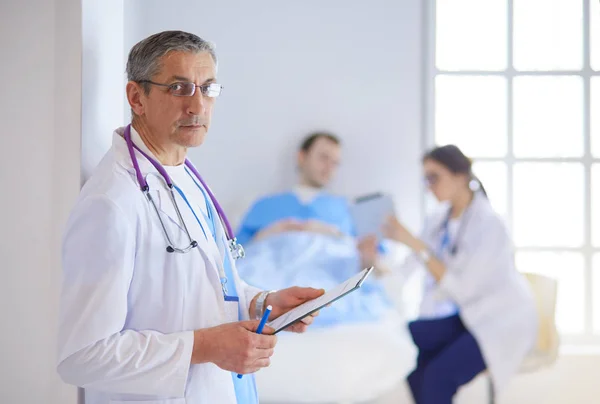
(573, 379)
(474, 393)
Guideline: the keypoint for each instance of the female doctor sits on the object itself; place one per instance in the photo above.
(152, 308)
(477, 312)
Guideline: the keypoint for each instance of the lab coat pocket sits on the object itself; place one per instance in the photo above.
(167, 401)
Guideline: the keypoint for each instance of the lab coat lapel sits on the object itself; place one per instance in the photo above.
(158, 188)
(164, 202)
(165, 205)
(123, 157)
(217, 250)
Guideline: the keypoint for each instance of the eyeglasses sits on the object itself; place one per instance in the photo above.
(185, 89)
(431, 179)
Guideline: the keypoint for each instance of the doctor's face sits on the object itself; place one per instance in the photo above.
(442, 182)
(180, 120)
(319, 163)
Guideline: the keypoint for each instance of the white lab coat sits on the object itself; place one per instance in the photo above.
(128, 307)
(494, 300)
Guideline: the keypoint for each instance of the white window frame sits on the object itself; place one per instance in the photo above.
(429, 19)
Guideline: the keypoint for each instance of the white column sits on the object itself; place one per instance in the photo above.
(103, 79)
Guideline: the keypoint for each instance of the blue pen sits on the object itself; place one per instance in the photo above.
(261, 325)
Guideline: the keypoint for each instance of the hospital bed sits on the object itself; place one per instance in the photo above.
(348, 363)
(345, 363)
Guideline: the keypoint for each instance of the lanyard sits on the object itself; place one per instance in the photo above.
(245, 390)
(445, 240)
(225, 269)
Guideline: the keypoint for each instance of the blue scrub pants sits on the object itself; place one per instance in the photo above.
(449, 357)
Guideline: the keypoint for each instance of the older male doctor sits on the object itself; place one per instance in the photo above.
(152, 308)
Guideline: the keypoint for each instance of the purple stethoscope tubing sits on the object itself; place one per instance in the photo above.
(235, 248)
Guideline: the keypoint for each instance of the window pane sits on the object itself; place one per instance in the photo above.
(595, 34)
(548, 204)
(568, 269)
(595, 219)
(548, 116)
(493, 176)
(596, 292)
(457, 48)
(595, 115)
(548, 35)
(470, 111)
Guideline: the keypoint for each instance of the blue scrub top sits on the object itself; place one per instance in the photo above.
(327, 208)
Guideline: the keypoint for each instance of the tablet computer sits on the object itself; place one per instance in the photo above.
(307, 308)
(370, 212)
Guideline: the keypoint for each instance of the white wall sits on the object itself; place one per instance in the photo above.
(103, 78)
(292, 67)
(39, 135)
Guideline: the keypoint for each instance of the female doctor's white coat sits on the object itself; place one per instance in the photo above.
(494, 300)
(128, 307)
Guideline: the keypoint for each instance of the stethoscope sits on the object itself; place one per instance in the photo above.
(445, 229)
(237, 251)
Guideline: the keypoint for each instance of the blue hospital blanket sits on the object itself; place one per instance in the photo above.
(318, 261)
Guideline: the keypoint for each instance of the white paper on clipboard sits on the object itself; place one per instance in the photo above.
(307, 308)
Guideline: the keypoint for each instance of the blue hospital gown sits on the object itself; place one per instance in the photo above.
(330, 209)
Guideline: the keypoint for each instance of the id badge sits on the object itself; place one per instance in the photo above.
(232, 309)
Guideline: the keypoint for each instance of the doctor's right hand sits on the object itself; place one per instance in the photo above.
(235, 346)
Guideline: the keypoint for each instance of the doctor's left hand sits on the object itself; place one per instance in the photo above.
(287, 299)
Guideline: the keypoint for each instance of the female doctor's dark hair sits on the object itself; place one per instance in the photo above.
(451, 157)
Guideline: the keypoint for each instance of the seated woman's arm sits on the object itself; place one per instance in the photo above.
(471, 270)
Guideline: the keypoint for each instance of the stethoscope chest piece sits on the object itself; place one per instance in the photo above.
(237, 250)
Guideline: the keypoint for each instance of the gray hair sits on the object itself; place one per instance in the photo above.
(143, 62)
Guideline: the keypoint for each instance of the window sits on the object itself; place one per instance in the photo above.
(513, 84)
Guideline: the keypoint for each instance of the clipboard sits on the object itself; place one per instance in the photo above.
(369, 213)
(307, 308)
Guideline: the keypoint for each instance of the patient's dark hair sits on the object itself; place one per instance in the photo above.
(312, 138)
(451, 157)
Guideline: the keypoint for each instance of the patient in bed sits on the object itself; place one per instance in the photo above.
(305, 237)
(358, 348)
(308, 206)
